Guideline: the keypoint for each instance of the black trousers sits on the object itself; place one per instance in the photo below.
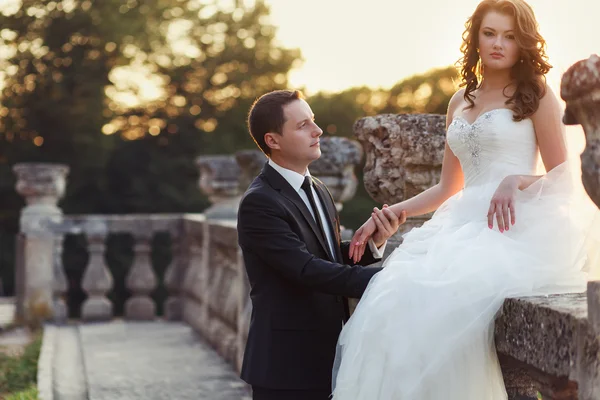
(274, 394)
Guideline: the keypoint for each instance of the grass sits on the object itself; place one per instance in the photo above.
(18, 374)
(27, 394)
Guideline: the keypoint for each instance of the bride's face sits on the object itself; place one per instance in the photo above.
(498, 48)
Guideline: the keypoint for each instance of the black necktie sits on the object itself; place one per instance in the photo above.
(306, 187)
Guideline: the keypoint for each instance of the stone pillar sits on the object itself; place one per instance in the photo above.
(580, 88)
(335, 167)
(141, 281)
(220, 181)
(42, 185)
(97, 281)
(404, 154)
(250, 163)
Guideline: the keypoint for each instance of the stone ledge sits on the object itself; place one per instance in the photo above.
(543, 331)
(552, 341)
(44, 373)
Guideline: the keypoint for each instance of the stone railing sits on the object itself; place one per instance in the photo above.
(548, 345)
(206, 280)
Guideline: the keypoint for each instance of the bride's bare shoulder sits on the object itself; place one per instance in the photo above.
(457, 99)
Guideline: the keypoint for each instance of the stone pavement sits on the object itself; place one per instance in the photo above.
(154, 361)
(7, 311)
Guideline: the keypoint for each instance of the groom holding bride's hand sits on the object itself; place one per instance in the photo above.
(300, 271)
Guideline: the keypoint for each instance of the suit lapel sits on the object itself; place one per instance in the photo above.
(331, 212)
(279, 183)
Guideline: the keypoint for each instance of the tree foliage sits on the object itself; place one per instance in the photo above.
(129, 92)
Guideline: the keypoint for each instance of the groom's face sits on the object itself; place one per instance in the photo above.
(299, 141)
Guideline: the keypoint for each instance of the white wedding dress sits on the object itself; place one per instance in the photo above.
(423, 330)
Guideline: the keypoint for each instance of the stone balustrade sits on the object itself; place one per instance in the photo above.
(546, 344)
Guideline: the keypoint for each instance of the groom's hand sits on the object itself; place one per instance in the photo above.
(387, 223)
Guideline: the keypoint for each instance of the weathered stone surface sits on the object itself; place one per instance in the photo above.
(220, 181)
(141, 281)
(403, 154)
(552, 338)
(42, 185)
(542, 331)
(251, 163)
(97, 281)
(216, 302)
(580, 88)
(335, 167)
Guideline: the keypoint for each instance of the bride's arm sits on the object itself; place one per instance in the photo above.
(451, 179)
(547, 123)
(549, 131)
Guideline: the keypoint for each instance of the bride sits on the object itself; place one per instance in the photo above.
(424, 327)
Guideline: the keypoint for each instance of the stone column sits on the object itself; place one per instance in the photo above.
(97, 279)
(335, 167)
(220, 181)
(42, 185)
(250, 163)
(141, 280)
(404, 155)
(580, 88)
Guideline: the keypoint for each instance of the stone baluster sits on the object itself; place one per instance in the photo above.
(141, 280)
(220, 181)
(580, 88)
(404, 155)
(61, 312)
(97, 281)
(42, 185)
(174, 276)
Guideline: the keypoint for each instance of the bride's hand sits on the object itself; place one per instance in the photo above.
(382, 225)
(503, 204)
(360, 239)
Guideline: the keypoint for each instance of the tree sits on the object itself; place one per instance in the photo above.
(72, 94)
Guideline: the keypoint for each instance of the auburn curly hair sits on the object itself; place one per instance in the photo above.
(528, 73)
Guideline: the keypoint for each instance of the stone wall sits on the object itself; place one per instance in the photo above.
(216, 289)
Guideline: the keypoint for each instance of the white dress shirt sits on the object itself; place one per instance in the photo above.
(296, 180)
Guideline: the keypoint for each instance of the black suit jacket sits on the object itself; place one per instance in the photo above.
(298, 292)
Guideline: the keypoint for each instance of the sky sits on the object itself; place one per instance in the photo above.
(377, 43)
(347, 43)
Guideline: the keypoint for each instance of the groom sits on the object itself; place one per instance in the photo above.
(299, 270)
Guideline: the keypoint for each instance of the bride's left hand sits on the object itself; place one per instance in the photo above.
(503, 203)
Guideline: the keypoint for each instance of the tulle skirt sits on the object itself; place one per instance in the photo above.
(424, 328)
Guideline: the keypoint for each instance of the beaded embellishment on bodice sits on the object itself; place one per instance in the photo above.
(493, 145)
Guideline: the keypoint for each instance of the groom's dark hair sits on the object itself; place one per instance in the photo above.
(266, 115)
